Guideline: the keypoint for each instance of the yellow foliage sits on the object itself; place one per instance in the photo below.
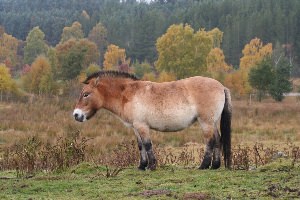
(88, 71)
(149, 77)
(254, 52)
(113, 56)
(166, 77)
(39, 67)
(81, 77)
(72, 32)
(216, 65)
(183, 52)
(40, 78)
(92, 69)
(8, 48)
(6, 81)
(217, 37)
(216, 61)
(163, 77)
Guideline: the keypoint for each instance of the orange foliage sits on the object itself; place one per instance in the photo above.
(238, 83)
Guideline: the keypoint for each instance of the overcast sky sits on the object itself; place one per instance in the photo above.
(145, 0)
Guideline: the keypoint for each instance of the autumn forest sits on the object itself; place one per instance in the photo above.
(250, 46)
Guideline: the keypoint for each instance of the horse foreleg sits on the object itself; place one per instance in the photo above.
(150, 154)
(143, 153)
(216, 162)
(144, 133)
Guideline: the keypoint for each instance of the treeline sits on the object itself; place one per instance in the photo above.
(158, 41)
(135, 26)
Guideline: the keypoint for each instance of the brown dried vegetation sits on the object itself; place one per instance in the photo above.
(42, 136)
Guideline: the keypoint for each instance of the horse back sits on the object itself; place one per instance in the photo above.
(172, 106)
(190, 91)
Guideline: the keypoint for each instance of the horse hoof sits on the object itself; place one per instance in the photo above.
(203, 167)
(205, 164)
(141, 168)
(152, 167)
(216, 164)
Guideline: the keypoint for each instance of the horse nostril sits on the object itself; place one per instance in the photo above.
(76, 116)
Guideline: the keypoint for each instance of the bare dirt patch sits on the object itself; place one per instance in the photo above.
(149, 193)
(195, 196)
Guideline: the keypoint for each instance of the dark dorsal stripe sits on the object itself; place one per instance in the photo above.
(113, 74)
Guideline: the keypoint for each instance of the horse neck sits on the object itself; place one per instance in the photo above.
(113, 97)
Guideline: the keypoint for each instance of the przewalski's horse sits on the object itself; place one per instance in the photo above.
(169, 106)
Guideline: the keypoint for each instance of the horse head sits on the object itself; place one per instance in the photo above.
(89, 102)
(97, 87)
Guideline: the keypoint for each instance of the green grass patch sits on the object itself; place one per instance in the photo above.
(279, 179)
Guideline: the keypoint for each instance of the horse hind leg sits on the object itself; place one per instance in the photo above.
(208, 130)
(212, 152)
(216, 162)
(206, 162)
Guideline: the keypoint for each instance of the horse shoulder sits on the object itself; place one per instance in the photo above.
(128, 99)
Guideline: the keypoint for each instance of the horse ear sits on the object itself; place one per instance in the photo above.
(96, 82)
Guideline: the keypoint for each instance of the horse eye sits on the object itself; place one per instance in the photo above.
(85, 95)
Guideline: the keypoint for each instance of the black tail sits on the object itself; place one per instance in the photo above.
(226, 129)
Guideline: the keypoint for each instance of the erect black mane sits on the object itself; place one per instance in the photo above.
(110, 73)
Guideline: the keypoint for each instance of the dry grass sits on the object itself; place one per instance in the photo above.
(260, 131)
(267, 122)
(34, 156)
(296, 84)
(48, 121)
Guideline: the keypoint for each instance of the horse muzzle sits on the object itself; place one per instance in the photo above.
(79, 115)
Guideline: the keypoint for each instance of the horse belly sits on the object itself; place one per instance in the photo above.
(172, 120)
